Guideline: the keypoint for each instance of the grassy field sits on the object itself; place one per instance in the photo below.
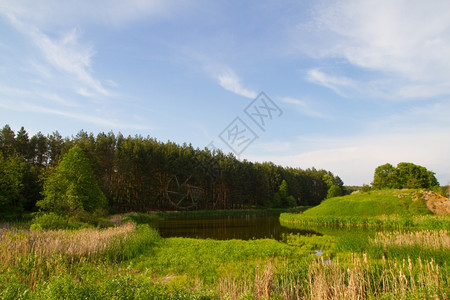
(383, 209)
(131, 261)
(373, 203)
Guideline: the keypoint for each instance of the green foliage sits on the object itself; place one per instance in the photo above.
(405, 175)
(11, 175)
(365, 188)
(283, 189)
(334, 191)
(133, 174)
(207, 258)
(311, 243)
(385, 177)
(52, 221)
(140, 241)
(277, 201)
(145, 266)
(72, 189)
(282, 197)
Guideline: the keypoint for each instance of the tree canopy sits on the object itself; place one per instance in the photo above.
(137, 173)
(405, 175)
(72, 188)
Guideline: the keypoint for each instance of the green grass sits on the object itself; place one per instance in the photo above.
(384, 221)
(150, 267)
(206, 259)
(378, 209)
(373, 203)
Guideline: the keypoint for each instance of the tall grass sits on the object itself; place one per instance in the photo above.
(383, 221)
(361, 280)
(35, 256)
(84, 243)
(437, 240)
(358, 278)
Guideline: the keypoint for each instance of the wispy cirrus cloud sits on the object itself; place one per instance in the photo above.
(66, 55)
(303, 107)
(231, 82)
(406, 43)
(335, 83)
(48, 13)
(78, 116)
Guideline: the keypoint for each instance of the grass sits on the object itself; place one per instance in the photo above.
(133, 262)
(384, 221)
(377, 209)
(373, 203)
(437, 240)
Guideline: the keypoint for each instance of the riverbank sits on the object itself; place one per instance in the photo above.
(389, 209)
(134, 262)
(150, 217)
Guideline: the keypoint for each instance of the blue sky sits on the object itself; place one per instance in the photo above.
(348, 85)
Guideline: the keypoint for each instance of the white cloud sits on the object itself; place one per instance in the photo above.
(337, 84)
(231, 82)
(354, 159)
(83, 117)
(405, 41)
(47, 13)
(303, 107)
(68, 56)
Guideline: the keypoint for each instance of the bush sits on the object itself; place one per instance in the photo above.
(52, 221)
(334, 191)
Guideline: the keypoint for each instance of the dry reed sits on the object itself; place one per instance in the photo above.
(358, 278)
(426, 239)
(44, 244)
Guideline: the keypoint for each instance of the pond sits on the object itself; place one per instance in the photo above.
(244, 227)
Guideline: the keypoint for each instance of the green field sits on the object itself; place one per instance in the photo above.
(131, 261)
(373, 203)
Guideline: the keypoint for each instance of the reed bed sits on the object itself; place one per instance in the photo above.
(362, 280)
(434, 222)
(428, 239)
(357, 278)
(82, 243)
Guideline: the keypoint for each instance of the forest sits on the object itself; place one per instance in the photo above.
(143, 174)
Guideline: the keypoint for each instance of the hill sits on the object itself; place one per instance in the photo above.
(380, 202)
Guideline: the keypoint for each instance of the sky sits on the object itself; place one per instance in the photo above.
(341, 85)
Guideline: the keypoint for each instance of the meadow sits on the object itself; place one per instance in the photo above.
(131, 261)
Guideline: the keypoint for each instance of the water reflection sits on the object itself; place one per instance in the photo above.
(225, 228)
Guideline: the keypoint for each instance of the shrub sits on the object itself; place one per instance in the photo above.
(51, 221)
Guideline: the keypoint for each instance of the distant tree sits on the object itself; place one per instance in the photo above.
(282, 197)
(7, 141)
(365, 188)
(11, 173)
(283, 190)
(334, 191)
(22, 144)
(335, 185)
(405, 175)
(413, 176)
(385, 177)
(72, 188)
(39, 146)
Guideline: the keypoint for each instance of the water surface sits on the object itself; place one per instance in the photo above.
(245, 227)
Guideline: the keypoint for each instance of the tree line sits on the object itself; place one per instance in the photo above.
(144, 174)
(404, 175)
